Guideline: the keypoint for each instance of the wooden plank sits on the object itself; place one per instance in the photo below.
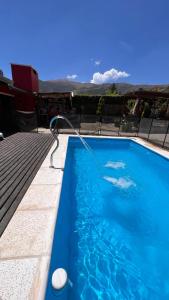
(7, 217)
(11, 150)
(8, 144)
(17, 169)
(6, 165)
(20, 158)
(17, 182)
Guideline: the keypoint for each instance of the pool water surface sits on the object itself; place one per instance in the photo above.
(112, 228)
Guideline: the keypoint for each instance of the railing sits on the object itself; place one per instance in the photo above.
(55, 133)
(148, 119)
(153, 130)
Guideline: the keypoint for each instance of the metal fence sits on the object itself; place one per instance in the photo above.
(115, 116)
(153, 130)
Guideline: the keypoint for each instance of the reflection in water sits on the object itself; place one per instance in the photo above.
(115, 165)
(121, 182)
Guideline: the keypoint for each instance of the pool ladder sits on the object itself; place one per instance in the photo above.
(55, 133)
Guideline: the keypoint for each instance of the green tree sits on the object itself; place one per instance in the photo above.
(113, 90)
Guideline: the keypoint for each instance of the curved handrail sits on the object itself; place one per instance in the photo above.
(1, 136)
(55, 134)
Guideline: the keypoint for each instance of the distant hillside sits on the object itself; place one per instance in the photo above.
(78, 88)
(95, 89)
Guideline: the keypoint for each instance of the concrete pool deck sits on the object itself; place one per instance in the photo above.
(25, 246)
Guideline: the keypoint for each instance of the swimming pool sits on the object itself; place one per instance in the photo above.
(112, 226)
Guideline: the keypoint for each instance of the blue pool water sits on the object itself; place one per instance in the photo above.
(112, 230)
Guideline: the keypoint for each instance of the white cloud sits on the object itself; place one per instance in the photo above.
(108, 76)
(97, 62)
(72, 77)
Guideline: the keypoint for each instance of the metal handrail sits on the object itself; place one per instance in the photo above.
(55, 134)
(1, 136)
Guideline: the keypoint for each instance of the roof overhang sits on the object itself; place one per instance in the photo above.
(6, 94)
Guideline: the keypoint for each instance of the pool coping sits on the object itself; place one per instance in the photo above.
(155, 148)
(26, 245)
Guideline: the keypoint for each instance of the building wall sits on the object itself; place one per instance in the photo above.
(35, 80)
(24, 102)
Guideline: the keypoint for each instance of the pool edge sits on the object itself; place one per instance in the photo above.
(38, 289)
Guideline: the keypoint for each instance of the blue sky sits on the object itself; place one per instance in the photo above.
(91, 40)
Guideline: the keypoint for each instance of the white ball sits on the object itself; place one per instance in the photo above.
(59, 278)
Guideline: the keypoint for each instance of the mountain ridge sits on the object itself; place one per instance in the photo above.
(78, 88)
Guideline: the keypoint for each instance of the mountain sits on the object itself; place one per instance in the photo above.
(63, 85)
(96, 89)
(76, 87)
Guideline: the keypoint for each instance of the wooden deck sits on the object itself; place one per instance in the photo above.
(20, 158)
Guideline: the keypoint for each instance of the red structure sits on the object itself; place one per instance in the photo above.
(26, 79)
